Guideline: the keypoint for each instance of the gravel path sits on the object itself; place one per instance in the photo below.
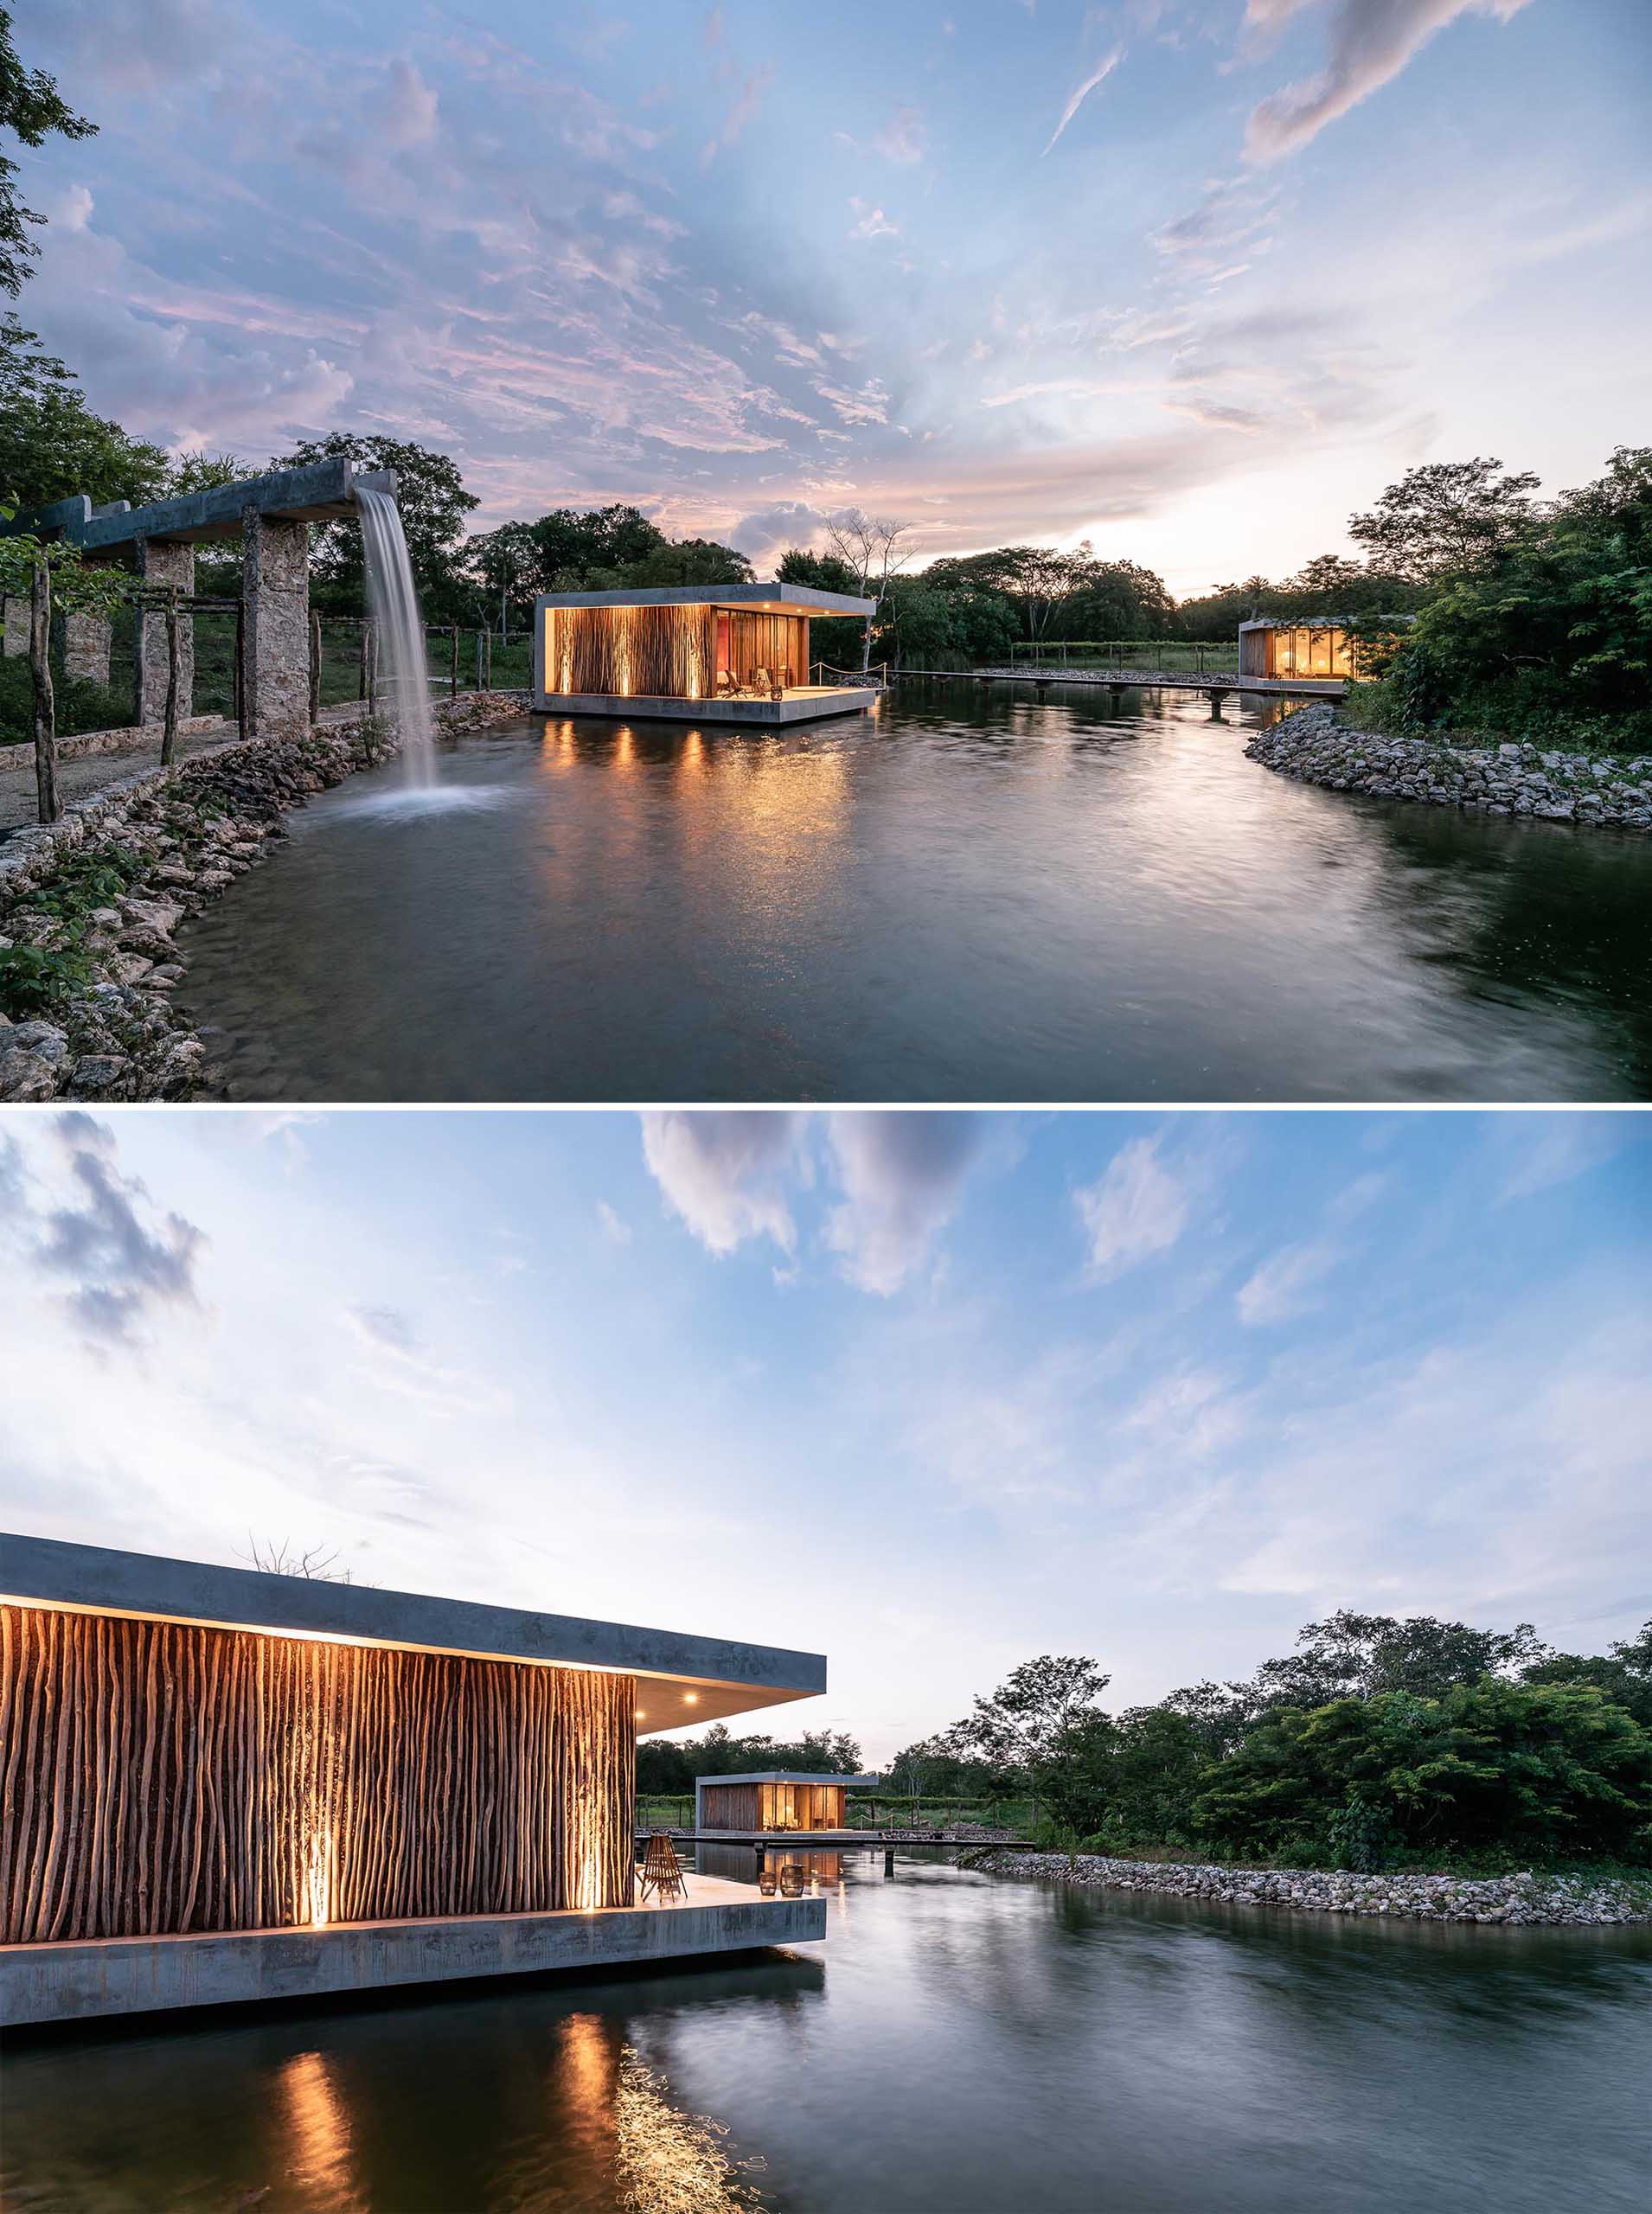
(19, 806)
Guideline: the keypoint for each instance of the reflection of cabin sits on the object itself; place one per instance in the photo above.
(1282, 647)
(777, 1801)
(727, 653)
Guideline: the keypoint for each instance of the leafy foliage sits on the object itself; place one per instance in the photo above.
(665, 1766)
(1375, 1740)
(32, 109)
(1549, 631)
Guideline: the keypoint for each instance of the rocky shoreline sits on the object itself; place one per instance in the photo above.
(1503, 1899)
(1317, 747)
(94, 900)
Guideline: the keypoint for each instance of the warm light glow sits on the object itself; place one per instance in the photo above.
(319, 2124)
(691, 1698)
(317, 1885)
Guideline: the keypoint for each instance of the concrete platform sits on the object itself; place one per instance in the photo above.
(806, 703)
(90, 1981)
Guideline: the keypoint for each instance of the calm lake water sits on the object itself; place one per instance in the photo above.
(978, 895)
(961, 2044)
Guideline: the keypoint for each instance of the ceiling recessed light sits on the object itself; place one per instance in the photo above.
(691, 1698)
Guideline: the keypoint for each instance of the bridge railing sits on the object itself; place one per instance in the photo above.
(1166, 657)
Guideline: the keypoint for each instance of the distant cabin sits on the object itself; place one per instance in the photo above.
(776, 1800)
(1285, 647)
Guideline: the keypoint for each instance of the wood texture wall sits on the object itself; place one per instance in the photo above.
(731, 1807)
(163, 1778)
(632, 651)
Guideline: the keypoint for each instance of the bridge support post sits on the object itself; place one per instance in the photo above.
(86, 641)
(888, 1860)
(275, 594)
(169, 564)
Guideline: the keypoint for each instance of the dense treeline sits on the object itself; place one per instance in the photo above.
(1376, 1743)
(665, 1766)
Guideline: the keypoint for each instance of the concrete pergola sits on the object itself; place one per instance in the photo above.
(272, 517)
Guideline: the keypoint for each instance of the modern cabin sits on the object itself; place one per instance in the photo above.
(776, 1802)
(724, 653)
(223, 1785)
(1285, 650)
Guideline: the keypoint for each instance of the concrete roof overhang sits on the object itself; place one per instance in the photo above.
(790, 1775)
(681, 1679)
(760, 598)
(320, 491)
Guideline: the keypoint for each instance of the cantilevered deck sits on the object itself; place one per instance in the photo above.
(88, 1980)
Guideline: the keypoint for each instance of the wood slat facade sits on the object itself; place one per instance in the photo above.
(671, 652)
(162, 1777)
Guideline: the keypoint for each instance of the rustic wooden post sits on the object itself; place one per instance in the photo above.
(360, 692)
(370, 661)
(453, 663)
(315, 667)
(174, 661)
(486, 685)
(40, 668)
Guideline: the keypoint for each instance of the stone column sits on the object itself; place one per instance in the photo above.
(165, 563)
(85, 649)
(275, 595)
(16, 632)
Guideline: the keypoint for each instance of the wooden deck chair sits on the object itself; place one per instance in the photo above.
(662, 1871)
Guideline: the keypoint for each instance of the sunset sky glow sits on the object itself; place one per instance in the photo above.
(1194, 280)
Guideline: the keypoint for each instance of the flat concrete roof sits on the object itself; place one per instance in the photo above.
(317, 492)
(683, 1679)
(758, 598)
(787, 1775)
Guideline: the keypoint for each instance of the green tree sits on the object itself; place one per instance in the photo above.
(1115, 599)
(32, 109)
(52, 446)
(684, 561)
(1624, 1672)
(571, 543)
(431, 494)
(1549, 1770)
(1028, 1725)
(1447, 517)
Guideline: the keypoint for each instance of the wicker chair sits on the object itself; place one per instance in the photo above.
(661, 1870)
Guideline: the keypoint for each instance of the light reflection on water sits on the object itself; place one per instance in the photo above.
(977, 896)
(961, 2044)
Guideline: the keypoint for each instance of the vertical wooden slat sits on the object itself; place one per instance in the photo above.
(162, 1777)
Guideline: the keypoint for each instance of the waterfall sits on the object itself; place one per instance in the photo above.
(403, 671)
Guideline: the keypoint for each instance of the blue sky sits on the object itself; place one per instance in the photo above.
(931, 1393)
(1196, 278)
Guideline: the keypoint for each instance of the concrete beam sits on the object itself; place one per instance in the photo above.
(319, 492)
(77, 1981)
(784, 599)
(730, 1678)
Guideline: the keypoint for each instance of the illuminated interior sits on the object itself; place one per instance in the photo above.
(1317, 651)
(691, 652)
(784, 1806)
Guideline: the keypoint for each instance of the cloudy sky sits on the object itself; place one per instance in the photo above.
(931, 1393)
(1196, 278)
